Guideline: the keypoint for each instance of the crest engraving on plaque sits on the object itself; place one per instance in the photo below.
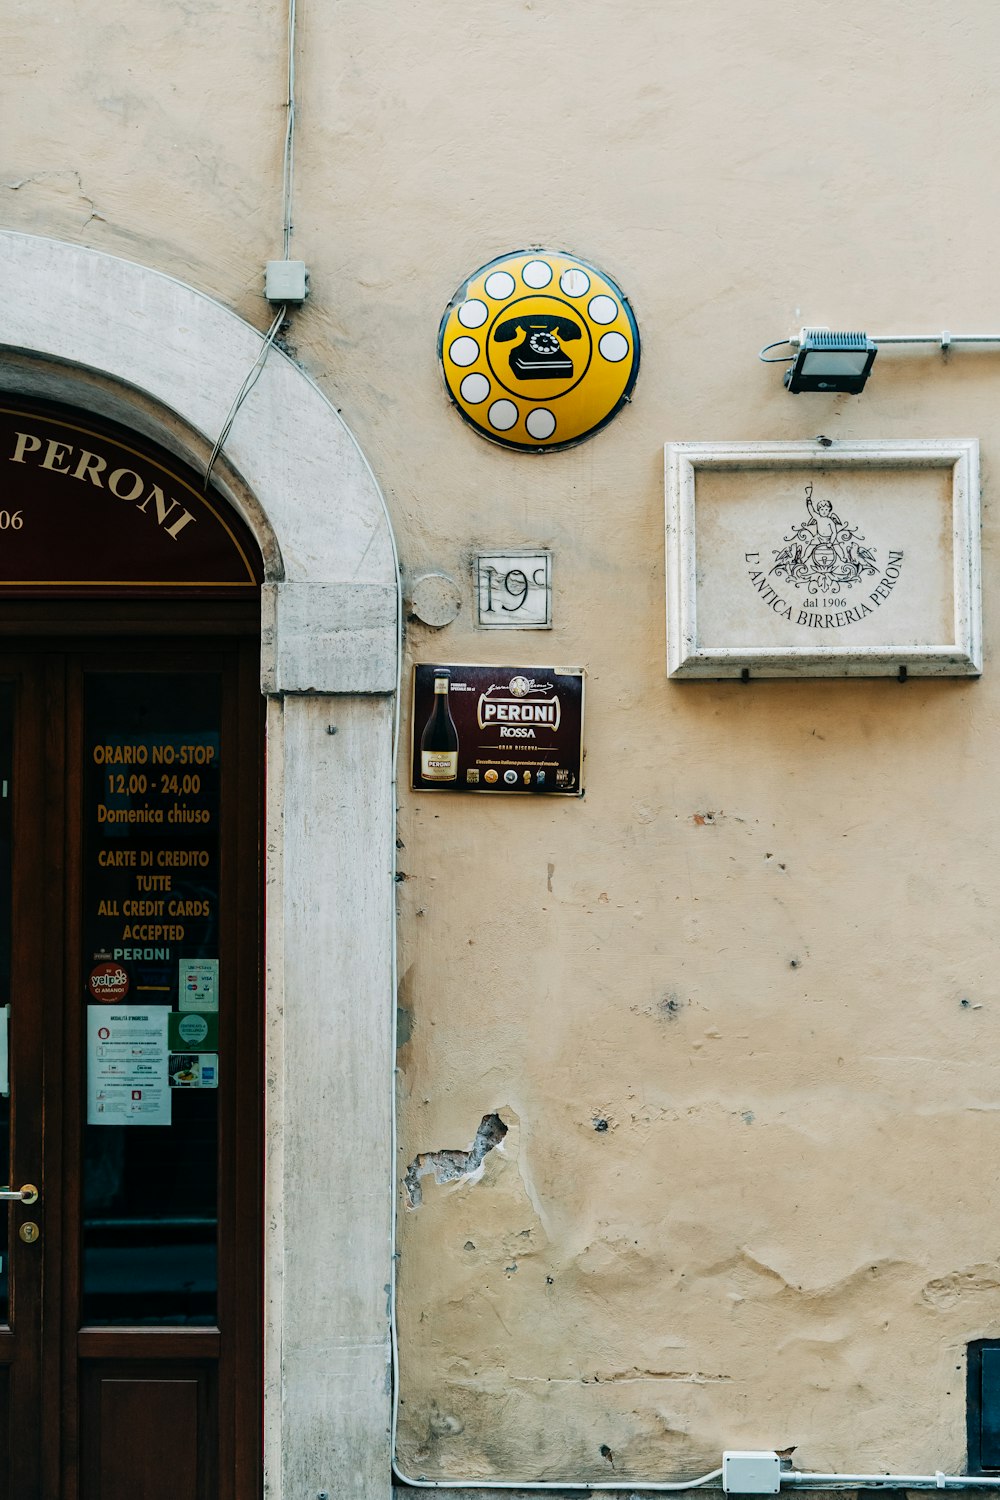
(823, 553)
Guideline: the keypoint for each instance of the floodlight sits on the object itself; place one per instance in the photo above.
(831, 362)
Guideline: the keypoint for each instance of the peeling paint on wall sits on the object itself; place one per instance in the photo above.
(454, 1166)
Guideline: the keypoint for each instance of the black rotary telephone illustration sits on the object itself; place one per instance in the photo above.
(539, 355)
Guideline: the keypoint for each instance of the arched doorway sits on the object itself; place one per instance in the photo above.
(140, 349)
(130, 977)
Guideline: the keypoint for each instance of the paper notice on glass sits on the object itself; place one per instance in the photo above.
(198, 984)
(127, 1082)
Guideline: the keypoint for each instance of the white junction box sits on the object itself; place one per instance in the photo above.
(751, 1473)
(286, 281)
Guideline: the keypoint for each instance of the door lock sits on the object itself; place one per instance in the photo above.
(29, 1232)
(26, 1194)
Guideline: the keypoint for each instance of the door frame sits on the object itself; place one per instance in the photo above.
(46, 652)
(145, 350)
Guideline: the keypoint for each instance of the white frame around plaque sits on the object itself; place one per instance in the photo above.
(687, 657)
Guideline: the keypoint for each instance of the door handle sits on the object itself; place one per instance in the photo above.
(26, 1194)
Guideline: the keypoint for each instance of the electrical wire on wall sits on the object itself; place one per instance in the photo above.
(288, 163)
(287, 174)
(244, 391)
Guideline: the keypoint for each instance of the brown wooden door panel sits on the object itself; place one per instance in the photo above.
(148, 1430)
(92, 1404)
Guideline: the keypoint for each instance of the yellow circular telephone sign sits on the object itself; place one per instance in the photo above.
(539, 350)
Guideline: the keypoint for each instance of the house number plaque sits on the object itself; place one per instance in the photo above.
(514, 590)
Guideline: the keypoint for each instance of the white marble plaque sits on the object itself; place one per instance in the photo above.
(808, 559)
(514, 590)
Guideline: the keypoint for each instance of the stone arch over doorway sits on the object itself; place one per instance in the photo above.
(145, 350)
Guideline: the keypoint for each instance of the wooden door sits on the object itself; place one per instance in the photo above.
(130, 1070)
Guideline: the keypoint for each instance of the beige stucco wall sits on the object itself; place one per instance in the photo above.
(762, 948)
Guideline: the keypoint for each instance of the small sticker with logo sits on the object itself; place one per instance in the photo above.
(108, 982)
(193, 1070)
(198, 984)
(193, 1031)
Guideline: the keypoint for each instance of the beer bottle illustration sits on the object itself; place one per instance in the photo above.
(439, 741)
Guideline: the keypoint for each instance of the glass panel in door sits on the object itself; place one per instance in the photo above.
(150, 983)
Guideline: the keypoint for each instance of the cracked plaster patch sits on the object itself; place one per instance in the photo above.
(453, 1166)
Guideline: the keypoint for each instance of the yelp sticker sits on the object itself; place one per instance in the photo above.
(108, 982)
(538, 350)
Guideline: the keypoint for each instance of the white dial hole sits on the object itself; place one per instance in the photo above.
(464, 351)
(536, 274)
(474, 388)
(473, 314)
(603, 309)
(574, 282)
(613, 347)
(540, 422)
(502, 415)
(499, 285)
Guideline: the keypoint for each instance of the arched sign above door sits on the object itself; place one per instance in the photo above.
(88, 509)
